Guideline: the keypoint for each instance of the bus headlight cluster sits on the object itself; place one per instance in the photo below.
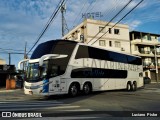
(37, 86)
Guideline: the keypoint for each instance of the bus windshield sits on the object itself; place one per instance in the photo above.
(36, 73)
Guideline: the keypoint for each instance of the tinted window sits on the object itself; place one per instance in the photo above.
(82, 52)
(54, 47)
(42, 49)
(118, 57)
(95, 53)
(134, 60)
(90, 52)
(98, 73)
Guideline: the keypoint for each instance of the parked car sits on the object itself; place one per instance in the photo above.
(146, 80)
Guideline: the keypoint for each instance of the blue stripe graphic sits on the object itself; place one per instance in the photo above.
(45, 87)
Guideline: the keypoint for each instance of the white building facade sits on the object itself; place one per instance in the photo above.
(102, 34)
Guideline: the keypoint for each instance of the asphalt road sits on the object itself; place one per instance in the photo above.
(98, 105)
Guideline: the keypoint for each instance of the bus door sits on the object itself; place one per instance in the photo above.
(63, 84)
(54, 78)
(55, 85)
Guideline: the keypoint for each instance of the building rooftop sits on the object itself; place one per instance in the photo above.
(158, 35)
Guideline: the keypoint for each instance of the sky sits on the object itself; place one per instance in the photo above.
(22, 21)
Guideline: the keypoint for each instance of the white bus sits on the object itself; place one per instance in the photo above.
(67, 67)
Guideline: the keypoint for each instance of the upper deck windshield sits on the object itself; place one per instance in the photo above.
(36, 73)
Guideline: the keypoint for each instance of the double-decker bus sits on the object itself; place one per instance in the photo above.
(67, 67)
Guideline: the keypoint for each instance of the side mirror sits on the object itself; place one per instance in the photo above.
(22, 61)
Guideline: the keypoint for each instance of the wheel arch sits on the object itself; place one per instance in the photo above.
(74, 82)
(89, 82)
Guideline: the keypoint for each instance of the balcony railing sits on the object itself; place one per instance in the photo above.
(150, 65)
(158, 64)
(158, 53)
(146, 64)
(144, 52)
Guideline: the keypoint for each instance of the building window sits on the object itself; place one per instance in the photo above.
(117, 44)
(102, 29)
(102, 43)
(110, 43)
(144, 37)
(149, 37)
(110, 31)
(116, 31)
(155, 37)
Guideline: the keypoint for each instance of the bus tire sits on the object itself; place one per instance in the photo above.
(87, 88)
(134, 86)
(73, 90)
(129, 86)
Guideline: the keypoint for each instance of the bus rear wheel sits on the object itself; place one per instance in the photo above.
(87, 88)
(134, 86)
(73, 90)
(129, 86)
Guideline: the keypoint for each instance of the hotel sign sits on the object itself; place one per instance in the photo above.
(92, 15)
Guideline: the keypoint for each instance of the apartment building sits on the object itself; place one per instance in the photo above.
(147, 46)
(94, 32)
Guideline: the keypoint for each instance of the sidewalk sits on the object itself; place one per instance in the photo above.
(3, 90)
(15, 95)
(153, 85)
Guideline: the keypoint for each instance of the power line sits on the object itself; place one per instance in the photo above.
(48, 23)
(120, 20)
(12, 53)
(14, 50)
(11, 49)
(79, 13)
(109, 13)
(94, 1)
(111, 20)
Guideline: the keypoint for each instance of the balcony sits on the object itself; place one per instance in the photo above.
(147, 63)
(145, 42)
(157, 53)
(144, 52)
(158, 64)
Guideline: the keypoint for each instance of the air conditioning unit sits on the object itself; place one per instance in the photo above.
(122, 49)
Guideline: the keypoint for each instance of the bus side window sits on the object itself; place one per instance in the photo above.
(54, 70)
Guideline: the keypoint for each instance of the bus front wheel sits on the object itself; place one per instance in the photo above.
(73, 90)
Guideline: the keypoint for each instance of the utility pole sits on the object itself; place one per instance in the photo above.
(155, 55)
(25, 56)
(63, 9)
(9, 58)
